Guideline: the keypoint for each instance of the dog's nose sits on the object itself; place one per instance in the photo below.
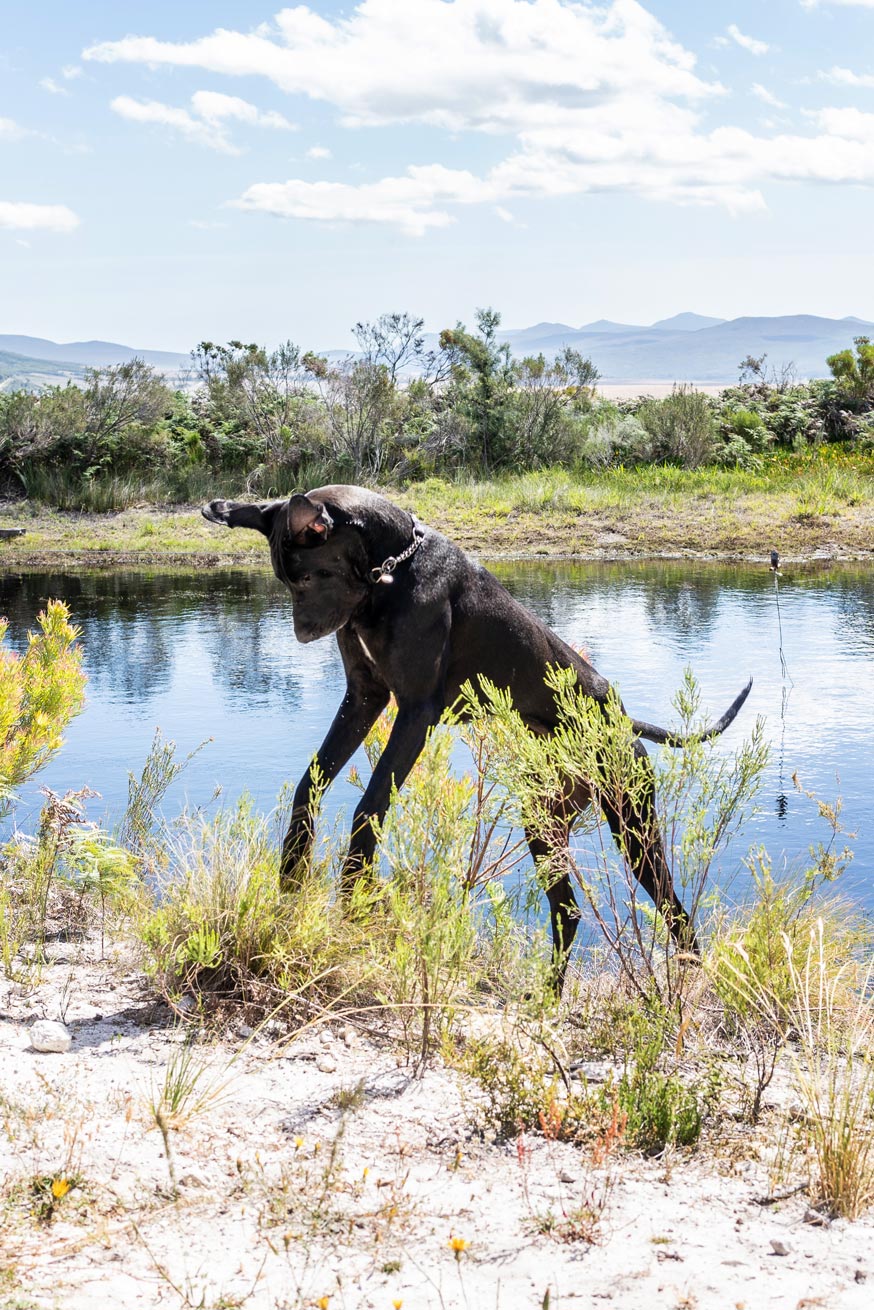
(304, 632)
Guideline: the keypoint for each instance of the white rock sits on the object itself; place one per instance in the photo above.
(326, 1064)
(780, 1248)
(47, 1035)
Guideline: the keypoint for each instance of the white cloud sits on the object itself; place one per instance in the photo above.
(206, 125)
(410, 203)
(592, 98)
(850, 124)
(846, 77)
(50, 218)
(767, 97)
(318, 152)
(482, 64)
(11, 131)
(70, 71)
(860, 4)
(214, 107)
(54, 88)
(747, 42)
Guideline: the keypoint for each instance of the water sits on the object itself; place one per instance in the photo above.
(212, 655)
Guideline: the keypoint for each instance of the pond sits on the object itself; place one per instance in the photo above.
(212, 654)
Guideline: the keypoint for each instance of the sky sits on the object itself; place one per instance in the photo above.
(218, 169)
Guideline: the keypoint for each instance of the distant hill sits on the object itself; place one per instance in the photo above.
(606, 325)
(92, 354)
(704, 354)
(684, 348)
(22, 373)
(687, 322)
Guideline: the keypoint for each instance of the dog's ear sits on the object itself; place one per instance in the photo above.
(235, 514)
(305, 516)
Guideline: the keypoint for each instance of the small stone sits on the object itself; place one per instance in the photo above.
(861, 1275)
(244, 1030)
(350, 1036)
(186, 1004)
(48, 1035)
(565, 1177)
(326, 1064)
(778, 1247)
(817, 1218)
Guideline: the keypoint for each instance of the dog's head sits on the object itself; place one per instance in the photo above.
(317, 551)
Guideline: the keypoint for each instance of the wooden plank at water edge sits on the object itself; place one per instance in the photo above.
(6, 534)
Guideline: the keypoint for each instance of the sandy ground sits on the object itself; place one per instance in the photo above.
(287, 1200)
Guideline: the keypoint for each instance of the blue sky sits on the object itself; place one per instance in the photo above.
(162, 181)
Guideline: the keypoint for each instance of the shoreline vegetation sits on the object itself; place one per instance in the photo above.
(815, 504)
(509, 456)
(217, 1094)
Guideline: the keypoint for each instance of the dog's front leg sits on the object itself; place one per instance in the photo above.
(402, 749)
(357, 714)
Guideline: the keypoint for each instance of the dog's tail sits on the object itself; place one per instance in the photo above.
(665, 737)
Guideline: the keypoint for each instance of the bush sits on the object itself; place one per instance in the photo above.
(681, 427)
(40, 692)
(611, 438)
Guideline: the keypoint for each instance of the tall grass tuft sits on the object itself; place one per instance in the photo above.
(833, 1016)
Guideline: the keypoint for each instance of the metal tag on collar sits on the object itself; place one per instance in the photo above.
(383, 572)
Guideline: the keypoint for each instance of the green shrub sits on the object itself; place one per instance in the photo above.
(681, 427)
(40, 692)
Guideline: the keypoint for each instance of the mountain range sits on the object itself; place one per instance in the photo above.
(684, 348)
(695, 348)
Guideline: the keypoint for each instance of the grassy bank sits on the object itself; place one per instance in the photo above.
(818, 502)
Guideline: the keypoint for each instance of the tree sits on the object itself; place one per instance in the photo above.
(123, 396)
(264, 393)
(361, 409)
(482, 374)
(752, 371)
(393, 342)
(855, 373)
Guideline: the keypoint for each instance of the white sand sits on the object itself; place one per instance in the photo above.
(251, 1227)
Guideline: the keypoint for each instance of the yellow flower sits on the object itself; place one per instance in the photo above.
(323, 1302)
(298, 1143)
(60, 1187)
(365, 1173)
(397, 1303)
(458, 1245)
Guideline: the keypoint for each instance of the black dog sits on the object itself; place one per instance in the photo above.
(416, 618)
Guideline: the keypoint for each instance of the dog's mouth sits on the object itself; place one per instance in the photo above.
(306, 631)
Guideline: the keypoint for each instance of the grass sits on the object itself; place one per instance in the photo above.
(799, 503)
(432, 957)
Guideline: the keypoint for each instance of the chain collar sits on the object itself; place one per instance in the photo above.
(383, 572)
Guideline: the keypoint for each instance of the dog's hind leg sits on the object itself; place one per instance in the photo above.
(635, 828)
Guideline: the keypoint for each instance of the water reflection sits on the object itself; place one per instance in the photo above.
(213, 655)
